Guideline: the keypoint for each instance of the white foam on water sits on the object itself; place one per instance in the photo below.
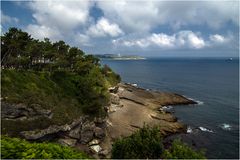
(226, 126)
(189, 129)
(205, 129)
(198, 102)
(134, 84)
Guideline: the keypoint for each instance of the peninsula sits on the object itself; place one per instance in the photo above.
(119, 57)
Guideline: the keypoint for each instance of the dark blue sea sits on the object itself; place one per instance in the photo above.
(213, 124)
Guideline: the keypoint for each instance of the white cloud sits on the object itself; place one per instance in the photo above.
(41, 32)
(162, 40)
(179, 40)
(82, 39)
(104, 28)
(65, 15)
(217, 38)
(145, 15)
(60, 20)
(8, 19)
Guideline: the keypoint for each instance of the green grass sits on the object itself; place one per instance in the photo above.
(14, 148)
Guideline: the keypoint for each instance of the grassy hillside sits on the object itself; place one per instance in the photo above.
(68, 95)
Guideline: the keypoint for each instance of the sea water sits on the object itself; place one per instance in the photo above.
(213, 82)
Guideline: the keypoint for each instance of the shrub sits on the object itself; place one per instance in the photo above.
(145, 143)
(14, 148)
(179, 150)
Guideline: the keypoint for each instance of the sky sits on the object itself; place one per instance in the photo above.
(145, 28)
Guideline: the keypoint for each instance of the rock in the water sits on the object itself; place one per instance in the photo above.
(94, 142)
(114, 99)
(96, 148)
(67, 142)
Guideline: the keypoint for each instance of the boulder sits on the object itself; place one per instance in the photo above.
(114, 98)
(113, 89)
(67, 142)
(87, 132)
(75, 133)
(96, 148)
(94, 142)
(99, 132)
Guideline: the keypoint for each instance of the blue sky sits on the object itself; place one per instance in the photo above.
(147, 28)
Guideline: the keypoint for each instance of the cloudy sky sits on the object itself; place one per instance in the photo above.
(147, 28)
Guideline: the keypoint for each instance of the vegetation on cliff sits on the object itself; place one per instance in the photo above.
(51, 76)
(146, 143)
(14, 148)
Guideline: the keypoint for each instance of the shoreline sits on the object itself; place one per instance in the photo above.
(131, 107)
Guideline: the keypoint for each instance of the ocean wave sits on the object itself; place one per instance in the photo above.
(198, 102)
(205, 129)
(226, 126)
(189, 129)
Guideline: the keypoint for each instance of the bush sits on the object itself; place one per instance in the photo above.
(179, 150)
(145, 143)
(14, 148)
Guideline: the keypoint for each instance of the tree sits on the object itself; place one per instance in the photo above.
(146, 143)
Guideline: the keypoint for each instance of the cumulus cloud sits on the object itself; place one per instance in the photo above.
(65, 15)
(8, 19)
(60, 20)
(179, 40)
(145, 15)
(104, 28)
(120, 22)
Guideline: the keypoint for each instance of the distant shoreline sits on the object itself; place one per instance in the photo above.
(123, 59)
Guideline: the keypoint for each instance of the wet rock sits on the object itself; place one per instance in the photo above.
(67, 142)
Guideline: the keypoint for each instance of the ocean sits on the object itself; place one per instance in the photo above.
(213, 124)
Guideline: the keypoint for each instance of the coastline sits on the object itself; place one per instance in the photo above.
(131, 107)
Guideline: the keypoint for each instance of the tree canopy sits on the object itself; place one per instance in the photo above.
(21, 51)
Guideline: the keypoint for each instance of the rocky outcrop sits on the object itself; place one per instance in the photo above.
(114, 98)
(23, 112)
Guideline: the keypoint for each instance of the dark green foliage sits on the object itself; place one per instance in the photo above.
(179, 150)
(145, 143)
(14, 148)
(111, 77)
